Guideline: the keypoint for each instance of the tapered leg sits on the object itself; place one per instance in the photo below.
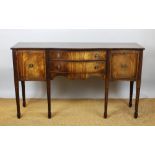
(17, 98)
(137, 98)
(106, 98)
(23, 93)
(131, 93)
(106, 83)
(138, 84)
(49, 97)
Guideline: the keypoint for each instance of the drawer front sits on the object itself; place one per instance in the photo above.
(77, 67)
(31, 65)
(77, 55)
(124, 64)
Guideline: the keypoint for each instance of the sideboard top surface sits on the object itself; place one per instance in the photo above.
(76, 45)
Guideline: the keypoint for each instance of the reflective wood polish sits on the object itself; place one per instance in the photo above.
(45, 61)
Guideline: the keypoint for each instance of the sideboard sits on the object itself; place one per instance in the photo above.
(109, 61)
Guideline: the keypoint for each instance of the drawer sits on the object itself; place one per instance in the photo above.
(77, 67)
(31, 64)
(77, 55)
(123, 64)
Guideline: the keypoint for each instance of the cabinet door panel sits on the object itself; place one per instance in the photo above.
(124, 64)
(31, 65)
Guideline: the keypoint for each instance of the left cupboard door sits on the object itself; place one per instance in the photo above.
(31, 64)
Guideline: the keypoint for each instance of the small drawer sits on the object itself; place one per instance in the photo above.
(77, 67)
(77, 55)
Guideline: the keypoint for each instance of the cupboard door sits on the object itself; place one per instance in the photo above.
(31, 65)
(124, 64)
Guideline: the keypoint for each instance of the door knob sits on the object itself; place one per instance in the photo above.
(31, 65)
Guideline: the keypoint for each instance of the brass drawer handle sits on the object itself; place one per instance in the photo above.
(96, 55)
(99, 64)
(96, 67)
(58, 55)
(58, 66)
(31, 65)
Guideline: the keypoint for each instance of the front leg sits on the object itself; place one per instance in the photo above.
(107, 83)
(137, 98)
(49, 97)
(106, 98)
(17, 98)
(138, 84)
(23, 93)
(131, 93)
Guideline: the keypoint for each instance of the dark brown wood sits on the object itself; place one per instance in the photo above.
(16, 84)
(17, 98)
(107, 83)
(48, 82)
(49, 97)
(131, 93)
(45, 61)
(78, 45)
(138, 84)
(23, 93)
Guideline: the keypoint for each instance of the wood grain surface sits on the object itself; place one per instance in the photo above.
(31, 65)
(77, 61)
(77, 55)
(123, 64)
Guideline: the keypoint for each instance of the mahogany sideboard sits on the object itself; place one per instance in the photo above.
(109, 61)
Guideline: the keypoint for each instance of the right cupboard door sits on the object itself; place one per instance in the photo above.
(123, 64)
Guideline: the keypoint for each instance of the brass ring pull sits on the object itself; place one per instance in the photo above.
(31, 65)
(96, 67)
(96, 55)
(58, 55)
(58, 67)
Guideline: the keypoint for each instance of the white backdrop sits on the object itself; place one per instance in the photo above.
(63, 88)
